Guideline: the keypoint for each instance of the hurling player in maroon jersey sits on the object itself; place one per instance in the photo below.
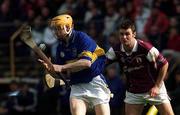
(145, 69)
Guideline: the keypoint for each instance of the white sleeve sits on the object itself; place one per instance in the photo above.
(152, 54)
(111, 54)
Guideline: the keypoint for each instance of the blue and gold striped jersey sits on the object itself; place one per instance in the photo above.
(81, 46)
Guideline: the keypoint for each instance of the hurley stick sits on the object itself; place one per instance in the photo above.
(27, 39)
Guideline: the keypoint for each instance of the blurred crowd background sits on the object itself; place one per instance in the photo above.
(157, 21)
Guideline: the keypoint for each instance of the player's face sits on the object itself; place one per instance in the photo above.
(59, 33)
(126, 36)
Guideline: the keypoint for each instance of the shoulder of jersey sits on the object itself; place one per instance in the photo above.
(144, 44)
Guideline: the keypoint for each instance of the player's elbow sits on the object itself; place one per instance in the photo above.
(86, 63)
(167, 65)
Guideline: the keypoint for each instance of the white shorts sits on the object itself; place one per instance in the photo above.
(140, 98)
(94, 93)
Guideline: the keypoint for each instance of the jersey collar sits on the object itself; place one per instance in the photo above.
(133, 50)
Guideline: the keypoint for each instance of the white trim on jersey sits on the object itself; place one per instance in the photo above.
(135, 48)
(111, 54)
(152, 54)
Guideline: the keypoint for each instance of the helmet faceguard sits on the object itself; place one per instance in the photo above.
(61, 25)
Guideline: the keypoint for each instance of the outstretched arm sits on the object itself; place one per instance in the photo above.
(70, 67)
(73, 67)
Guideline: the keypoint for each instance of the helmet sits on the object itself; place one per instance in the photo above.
(63, 22)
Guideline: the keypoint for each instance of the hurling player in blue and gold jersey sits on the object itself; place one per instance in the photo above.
(79, 55)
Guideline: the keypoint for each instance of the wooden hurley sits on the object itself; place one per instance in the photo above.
(26, 37)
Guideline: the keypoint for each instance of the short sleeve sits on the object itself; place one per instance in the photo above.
(110, 54)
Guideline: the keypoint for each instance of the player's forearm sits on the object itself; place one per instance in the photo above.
(161, 76)
(77, 66)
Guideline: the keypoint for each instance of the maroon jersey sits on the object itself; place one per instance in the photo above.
(141, 66)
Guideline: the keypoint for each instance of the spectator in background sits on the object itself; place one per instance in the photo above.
(24, 10)
(54, 6)
(45, 13)
(175, 94)
(172, 34)
(94, 15)
(5, 12)
(177, 15)
(79, 13)
(130, 9)
(110, 19)
(173, 40)
(165, 6)
(38, 30)
(50, 42)
(66, 5)
(156, 26)
(113, 39)
(30, 16)
(26, 101)
(7, 104)
(6, 16)
(174, 22)
(47, 103)
(122, 13)
(173, 59)
(97, 36)
(81, 9)
(172, 49)
(117, 87)
(157, 18)
(154, 36)
(142, 13)
(13, 86)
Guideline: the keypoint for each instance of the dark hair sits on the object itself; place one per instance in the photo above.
(127, 23)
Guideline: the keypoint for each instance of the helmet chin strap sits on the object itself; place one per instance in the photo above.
(67, 32)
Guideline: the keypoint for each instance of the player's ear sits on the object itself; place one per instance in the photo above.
(134, 34)
(72, 25)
